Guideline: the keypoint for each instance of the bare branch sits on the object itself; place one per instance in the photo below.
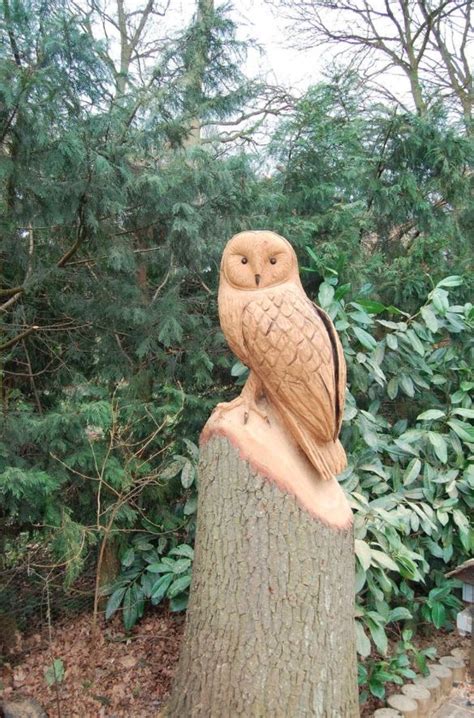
(80, 236)
(19, 337)
(424, 35)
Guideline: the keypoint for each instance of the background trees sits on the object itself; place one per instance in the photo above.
(109, 227)
(426, 43)
(124, 169)
(389, 190)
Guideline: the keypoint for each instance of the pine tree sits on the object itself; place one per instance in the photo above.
(111, 233)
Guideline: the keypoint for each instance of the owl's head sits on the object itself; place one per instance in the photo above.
(255, 260)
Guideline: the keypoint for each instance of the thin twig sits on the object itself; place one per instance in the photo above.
(50, 634)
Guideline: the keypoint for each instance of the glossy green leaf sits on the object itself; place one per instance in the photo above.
(128, 557)
(412, 471)
(379, 636)
(365, 338)
(377, 688)
(54, 673)
(183, 549)
(190, 506)
(392, 341)
(415, 342)
(438, 615)
(383, 560)
(238, 370)
(178, 586)
(406, 384)
(160, 588)
(181, 565)
(159, 567)
(452, 281)
(430, 319)
(130, 609)
(325, 295)
(466, 413)
(371, 306)
(400, 614)
(392, 388)
(430, 415)
(187, 475)
(363, 553)
(362, 642)
(179, 602)
(463, 430)
(439, 444)
(114, 602)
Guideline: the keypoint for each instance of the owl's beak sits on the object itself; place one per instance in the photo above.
(257, 279)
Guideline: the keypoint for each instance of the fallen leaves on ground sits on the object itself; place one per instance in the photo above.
(108, 674)
(111, 674)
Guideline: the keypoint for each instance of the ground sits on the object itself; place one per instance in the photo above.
(114, 675)
(460, 704)
(108, 675)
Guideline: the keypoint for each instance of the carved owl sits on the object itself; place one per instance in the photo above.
(289, 344)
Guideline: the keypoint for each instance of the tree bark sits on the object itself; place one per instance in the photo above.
(270, 625)
(196, 69)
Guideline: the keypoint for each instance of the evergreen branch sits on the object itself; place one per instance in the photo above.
(31, 378)
(11, 36)
(14, 340)
(160, 286)
(28, 375)
(380, 163)
(72, 251)
(8, 123)
(10, 302)
(18, 291)
(94, 260)
(267, 109)
(80, 236)
(119, 344)
(11, 290)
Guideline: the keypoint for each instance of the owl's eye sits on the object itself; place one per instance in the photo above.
(273, 260)
(244, 260)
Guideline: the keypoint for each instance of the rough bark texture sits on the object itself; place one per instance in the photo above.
(270, 627)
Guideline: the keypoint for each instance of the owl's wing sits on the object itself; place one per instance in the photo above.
(339, 365)
(294, 350)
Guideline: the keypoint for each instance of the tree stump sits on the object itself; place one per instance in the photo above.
(270, 624)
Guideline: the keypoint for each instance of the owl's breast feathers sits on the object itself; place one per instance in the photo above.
(293, 348)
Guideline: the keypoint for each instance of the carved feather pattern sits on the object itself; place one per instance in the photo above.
(293, 348)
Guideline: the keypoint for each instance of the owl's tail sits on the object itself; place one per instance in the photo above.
(328, 458)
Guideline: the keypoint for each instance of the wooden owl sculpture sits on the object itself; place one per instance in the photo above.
(289, 344)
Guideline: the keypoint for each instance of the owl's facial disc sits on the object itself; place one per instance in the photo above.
(256, 260)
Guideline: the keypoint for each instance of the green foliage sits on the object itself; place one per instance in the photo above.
(113, 222)
(398, 668)
(150, 572)
(155, 570)
(379, 192)
(54, 673)
(112, 230)
(410, 476)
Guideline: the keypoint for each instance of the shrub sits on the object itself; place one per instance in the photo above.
(409, 443)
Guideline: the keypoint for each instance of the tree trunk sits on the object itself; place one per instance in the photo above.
(270, 625)
(196, 69)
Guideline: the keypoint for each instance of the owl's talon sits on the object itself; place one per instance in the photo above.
(248, 404)
(253, 407)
